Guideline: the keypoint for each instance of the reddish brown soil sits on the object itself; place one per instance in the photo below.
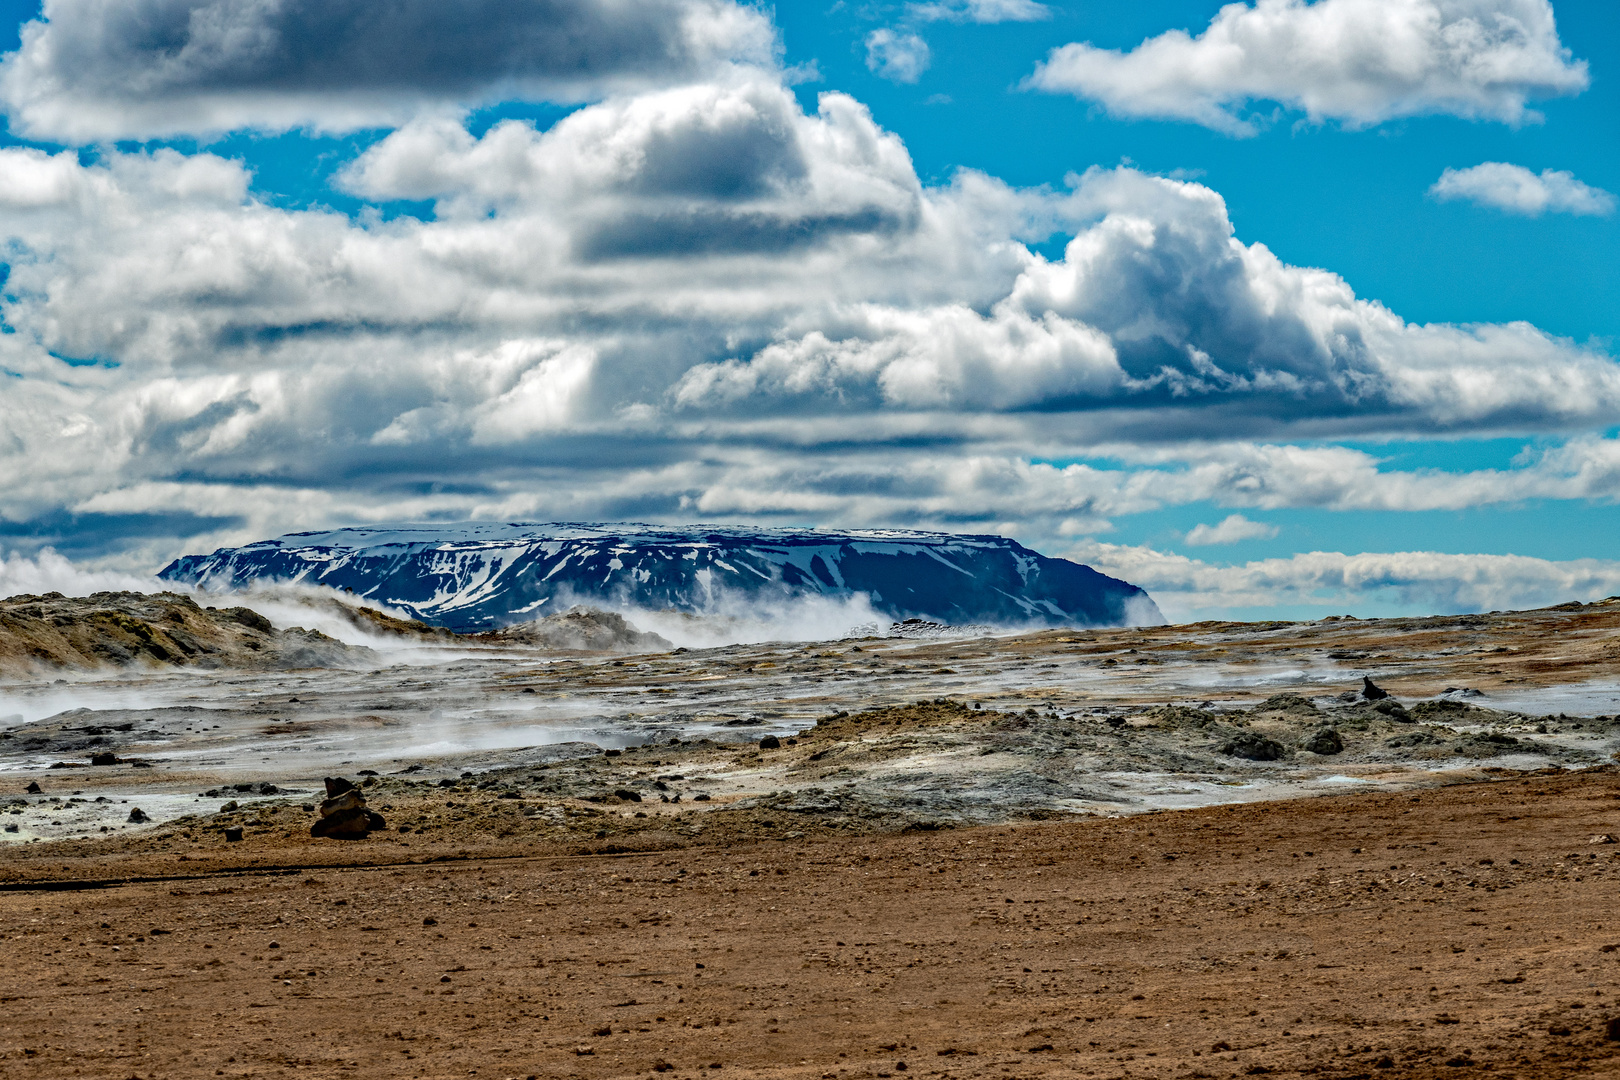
(1467, 928)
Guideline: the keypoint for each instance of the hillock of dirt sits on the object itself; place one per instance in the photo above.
(39, 634)
(579, 629)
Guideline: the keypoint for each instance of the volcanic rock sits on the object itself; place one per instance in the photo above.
(1323, 741)
(343, 813)
(1372, 692)
(1254, 747)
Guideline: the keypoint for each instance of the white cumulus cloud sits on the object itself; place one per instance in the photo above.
(1233, 529)
(1359, 62)
(1517, 190)
(897, 55)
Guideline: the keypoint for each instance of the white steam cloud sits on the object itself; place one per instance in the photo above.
(50, 572)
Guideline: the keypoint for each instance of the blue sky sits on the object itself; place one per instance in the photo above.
(728, 263)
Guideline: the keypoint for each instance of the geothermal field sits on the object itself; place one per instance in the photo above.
(574, 849)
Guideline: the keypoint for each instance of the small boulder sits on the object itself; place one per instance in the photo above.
(137, 816)
(1372, 692)
(1323, 741)
(104, 757)
(770, 742)
(33, 788)
(233, 836)
(1254, 747)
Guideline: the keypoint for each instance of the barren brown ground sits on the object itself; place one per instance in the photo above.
(1465, 927)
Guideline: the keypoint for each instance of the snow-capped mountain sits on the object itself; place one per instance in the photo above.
(481, 575)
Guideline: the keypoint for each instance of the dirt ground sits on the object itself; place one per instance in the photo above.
(1474, 926)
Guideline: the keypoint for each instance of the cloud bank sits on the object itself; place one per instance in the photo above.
(705, 301)
(139, 69)
(1517, 190)
(1424, 581)
(1359, 62)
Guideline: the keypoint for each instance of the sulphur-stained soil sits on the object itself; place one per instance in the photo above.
(1453, 931)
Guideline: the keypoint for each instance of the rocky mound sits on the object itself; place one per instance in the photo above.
(580, 629)
(165, 630)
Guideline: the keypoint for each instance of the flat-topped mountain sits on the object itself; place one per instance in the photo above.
(478, 576)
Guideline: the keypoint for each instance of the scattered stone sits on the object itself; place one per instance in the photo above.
(343, 814)
(1254, 747)
(229, 807)
(1602, 838)
(137, 816)
(33, 788)
(1323, 741)
(1372, 692)
(770, 742)
(105, 757)
(627, 795)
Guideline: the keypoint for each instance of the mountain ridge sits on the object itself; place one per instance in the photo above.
(486, 575)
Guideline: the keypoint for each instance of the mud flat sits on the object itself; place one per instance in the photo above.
(1471, 927)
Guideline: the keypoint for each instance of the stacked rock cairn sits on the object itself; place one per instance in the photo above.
(344, 815)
